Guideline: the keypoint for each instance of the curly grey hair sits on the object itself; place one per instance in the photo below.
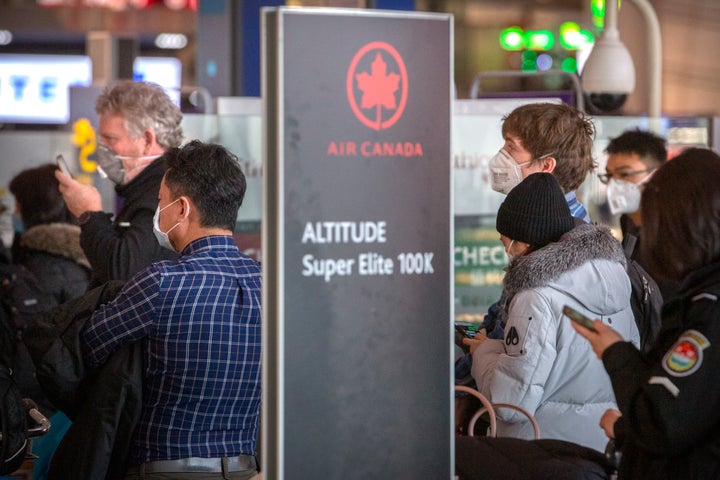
(143, 105)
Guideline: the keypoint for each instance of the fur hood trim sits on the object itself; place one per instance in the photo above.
(581, 244)
(61, 239)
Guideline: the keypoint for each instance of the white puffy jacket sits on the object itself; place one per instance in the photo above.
(542, 364)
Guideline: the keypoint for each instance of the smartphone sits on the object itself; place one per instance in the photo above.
(62, 164)
(578, 317)
(465, 330)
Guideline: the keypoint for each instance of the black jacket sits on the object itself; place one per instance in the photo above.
(119, 248)
(58, 272)
(627, 227)
(670, 427)
(504, 458)
(53, 254)
(104, 405)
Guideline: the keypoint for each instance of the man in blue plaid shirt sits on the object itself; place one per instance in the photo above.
(200, 319)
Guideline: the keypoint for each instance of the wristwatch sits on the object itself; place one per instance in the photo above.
(85, 217)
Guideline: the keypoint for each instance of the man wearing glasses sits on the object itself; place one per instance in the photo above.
(633, 157)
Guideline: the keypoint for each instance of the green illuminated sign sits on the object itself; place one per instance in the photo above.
(571, 36)
(512, 38)
(540, 39)
(597, 10)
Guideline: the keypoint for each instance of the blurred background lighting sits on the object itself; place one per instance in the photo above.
(569, 64)
(5, 37)
(573, 38)
(544, 62)
(540, 40)
(512, 38)
(171, 41)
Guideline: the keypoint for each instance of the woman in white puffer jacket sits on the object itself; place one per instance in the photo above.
(542, 364)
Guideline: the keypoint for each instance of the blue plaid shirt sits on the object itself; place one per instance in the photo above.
(201, 317)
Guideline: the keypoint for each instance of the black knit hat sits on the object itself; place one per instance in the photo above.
(535, 211)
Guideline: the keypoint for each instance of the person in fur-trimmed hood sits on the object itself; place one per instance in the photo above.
(50, 245)
(49, 249)
(542, 364)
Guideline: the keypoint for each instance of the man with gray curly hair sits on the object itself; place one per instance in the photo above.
(138, 123)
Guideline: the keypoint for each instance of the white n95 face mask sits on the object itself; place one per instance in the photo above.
(162, 237)
(505, 172)
(624, 196)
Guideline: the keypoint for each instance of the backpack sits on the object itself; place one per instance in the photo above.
(13, 420)
(645, 300)
(22, 295)
(21, 299)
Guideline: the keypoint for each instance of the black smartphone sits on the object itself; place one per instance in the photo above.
(578, 317)
(62, 164)
(465, 330)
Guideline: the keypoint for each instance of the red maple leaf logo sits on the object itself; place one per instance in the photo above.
(379, 87)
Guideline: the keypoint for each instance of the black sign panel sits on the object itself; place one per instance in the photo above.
(358, 241)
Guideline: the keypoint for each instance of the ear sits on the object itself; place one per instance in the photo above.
(185, 206)
(148, 137)
(548, 164)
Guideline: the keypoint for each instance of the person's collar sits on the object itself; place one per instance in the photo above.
(207, 241)
(156, 167)
(138, 165)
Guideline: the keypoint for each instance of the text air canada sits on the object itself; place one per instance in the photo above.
(375, 149)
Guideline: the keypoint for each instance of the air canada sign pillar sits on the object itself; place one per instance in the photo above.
(357, 242)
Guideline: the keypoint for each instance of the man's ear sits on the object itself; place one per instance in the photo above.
(149, 139)
(186, 206)
(548, 164)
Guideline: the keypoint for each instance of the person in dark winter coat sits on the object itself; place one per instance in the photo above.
(667, 425)
(104, 405)
(48, 248)
(50, 245)
(138, 123)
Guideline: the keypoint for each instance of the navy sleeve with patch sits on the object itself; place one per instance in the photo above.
(672, 403)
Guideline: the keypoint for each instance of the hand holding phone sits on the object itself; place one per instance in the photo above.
(578, 317)
(465, 330)
(62, 164)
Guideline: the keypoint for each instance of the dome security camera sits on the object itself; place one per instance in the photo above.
(609, 74)
(605, 102)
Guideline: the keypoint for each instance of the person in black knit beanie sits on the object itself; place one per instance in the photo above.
(535, 212)
(542, 364)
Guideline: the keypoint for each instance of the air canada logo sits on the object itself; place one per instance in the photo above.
(377, 85)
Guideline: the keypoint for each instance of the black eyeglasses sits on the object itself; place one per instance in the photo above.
(605, 177)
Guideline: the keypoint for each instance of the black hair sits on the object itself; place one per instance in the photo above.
(36, 190)
(650, 148)
(211, 177)
(681, 215)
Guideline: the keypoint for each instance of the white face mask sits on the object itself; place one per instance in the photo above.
(512, 256)
(505, 172)
(624, 196)
(162, 237)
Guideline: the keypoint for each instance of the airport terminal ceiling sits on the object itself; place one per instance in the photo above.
(689, 72)
(63, 30)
